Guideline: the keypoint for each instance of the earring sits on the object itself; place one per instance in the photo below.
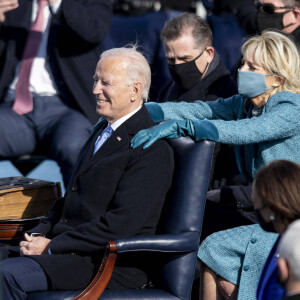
(272, 218)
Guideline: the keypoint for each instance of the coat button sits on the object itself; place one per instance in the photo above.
(74, 188)
(253, 240)
(63, 220)
(246, 268)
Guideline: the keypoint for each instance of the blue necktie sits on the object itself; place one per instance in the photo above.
(106, 133)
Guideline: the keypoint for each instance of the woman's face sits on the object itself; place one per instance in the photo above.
(271, 81)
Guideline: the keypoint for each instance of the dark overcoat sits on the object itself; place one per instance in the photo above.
(118, 192)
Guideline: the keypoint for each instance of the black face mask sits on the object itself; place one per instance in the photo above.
(266, 226)
(186, 75)
(267, 21)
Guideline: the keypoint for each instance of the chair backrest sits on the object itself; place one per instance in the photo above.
(184, 209)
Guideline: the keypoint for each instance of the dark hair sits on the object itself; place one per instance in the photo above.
(278, 186)
(175, 27)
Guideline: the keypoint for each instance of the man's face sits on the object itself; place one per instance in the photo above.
(114, 96)
(184, 50)
(290, 16)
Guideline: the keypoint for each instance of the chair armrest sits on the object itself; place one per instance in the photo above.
(181, 242)
(96, 287)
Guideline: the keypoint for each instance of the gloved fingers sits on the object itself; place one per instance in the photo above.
(140, 138)
(150, 142)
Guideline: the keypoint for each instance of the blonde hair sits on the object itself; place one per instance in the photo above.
(277, 54)
(137, 67)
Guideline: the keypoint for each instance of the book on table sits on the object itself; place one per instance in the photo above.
(25, 198)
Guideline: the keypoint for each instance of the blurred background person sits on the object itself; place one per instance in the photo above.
(259, 15)
(289, 261)
(48, 53)
(255, 16)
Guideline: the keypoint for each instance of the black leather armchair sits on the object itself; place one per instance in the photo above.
(178, 239)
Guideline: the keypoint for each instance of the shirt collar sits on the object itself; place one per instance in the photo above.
(119, 122)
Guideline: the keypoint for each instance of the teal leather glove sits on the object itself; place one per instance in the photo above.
(156, 113)
(196, 129)
(168, 129)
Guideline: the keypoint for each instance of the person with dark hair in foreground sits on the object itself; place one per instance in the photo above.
(240, 263)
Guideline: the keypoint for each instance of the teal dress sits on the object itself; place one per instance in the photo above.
(238, 255)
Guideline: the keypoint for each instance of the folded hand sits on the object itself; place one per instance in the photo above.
(34, 245)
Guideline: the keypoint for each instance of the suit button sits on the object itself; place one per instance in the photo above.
(74, 188)
(63, 220)
(246, 268)
(253, 240)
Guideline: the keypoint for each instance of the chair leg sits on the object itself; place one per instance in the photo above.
(100, 281)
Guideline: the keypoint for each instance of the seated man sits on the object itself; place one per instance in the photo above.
(115, 191)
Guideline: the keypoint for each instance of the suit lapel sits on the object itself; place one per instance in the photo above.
(116, 140)
(120, 137)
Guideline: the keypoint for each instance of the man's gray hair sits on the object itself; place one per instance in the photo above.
(289, 247)
(175, 27)
(138, 68)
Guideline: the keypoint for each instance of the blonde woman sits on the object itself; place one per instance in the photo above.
(262, 122)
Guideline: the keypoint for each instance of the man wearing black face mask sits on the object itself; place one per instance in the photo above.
(198, 74)
(259, 15)
(283, 15)
(195, 66)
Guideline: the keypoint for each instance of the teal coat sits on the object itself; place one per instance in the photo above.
(238, 255)
(258, 136)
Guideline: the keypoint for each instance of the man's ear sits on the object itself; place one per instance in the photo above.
(210, 52)
(296, 14)
(137, 90)
(283, 268)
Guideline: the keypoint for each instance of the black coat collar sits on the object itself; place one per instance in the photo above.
(121, 136)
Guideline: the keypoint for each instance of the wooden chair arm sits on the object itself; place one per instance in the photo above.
(95, 289)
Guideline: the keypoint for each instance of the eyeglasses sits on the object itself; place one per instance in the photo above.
(270, 8)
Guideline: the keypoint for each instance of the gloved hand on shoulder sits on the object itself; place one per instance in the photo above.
(196, 129)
